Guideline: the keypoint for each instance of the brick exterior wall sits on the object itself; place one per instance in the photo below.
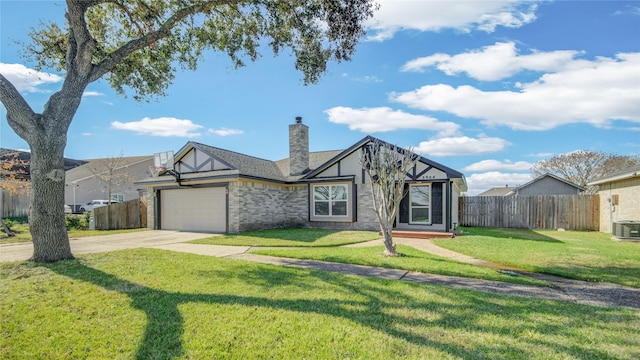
(628, 207)
(267, 206)
(297, 206)
(233, 214)
(151, 209)
(261, 206)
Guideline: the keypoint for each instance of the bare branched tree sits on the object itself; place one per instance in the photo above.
(386, 166)
(112, 173)
(582, 167)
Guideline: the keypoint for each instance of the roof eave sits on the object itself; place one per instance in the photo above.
(615, 178)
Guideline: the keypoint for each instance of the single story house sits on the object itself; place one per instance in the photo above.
(217, 190)
(619, 197)
(91, 180)
(546, 184)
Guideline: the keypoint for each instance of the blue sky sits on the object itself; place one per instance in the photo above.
(485, 87)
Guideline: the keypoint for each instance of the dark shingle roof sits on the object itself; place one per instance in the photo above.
(247, 165)
(316, 159)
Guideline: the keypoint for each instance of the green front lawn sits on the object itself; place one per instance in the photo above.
(591, 256)
(411, 260)
(292, 237)
(154, 304)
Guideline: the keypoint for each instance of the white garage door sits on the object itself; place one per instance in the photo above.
(194, 209)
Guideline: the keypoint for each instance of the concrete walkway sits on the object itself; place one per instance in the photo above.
(103, 243)
(601, 294)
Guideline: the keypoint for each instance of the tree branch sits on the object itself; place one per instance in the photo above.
(20, 116)
(164, 31)
(85, 45)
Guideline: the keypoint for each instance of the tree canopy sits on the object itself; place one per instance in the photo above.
(138, 44)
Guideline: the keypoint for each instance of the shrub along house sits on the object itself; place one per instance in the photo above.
(217, 190)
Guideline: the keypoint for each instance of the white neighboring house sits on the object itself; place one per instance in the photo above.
(83, 184)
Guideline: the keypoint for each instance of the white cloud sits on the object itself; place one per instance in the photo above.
(86, 134)
(541, 155)
(480, 182)
(382, 119)
(25, 79)
(603, 91)
(368, 79)
(631, 10)
(462, 145)
(496, 165)
(464, 16)
(164, 126)
(91, 93)
(496, 62)
(225, 131)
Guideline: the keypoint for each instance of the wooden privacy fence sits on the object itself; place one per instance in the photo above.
(14, 204)
(570, 212)
(130, 214)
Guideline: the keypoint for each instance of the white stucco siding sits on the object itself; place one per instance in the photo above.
(431, 174)
(330, 171)
(350, 165)
(198, 161)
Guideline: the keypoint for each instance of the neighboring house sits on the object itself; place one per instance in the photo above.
(619, 197)
(547, 184)
(498, 191)
(84, 182)
(227, 192)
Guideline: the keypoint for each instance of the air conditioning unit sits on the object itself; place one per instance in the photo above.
(627, 230)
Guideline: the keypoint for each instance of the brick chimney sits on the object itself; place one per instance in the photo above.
(298, 148)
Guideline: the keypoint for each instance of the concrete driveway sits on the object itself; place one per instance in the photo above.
(161, 239)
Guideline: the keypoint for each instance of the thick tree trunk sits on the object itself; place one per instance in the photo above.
(46, 135)
(46, 213)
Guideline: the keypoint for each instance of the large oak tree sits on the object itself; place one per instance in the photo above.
(137, 46)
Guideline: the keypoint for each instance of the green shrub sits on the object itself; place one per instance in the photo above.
(14, 222)
(76, 222)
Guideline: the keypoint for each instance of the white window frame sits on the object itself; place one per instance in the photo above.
(411, 206)
(330, 201)
(117, 197)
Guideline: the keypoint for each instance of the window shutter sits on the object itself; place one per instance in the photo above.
(436, 203)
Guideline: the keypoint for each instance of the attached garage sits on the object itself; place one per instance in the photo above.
(194, 209)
